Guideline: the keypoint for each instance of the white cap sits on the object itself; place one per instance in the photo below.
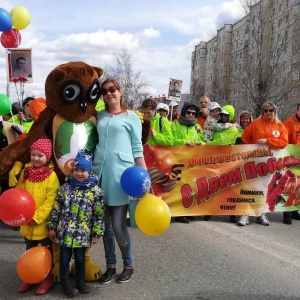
(162, 106)
(225, 112)
(214, 105)
(173, 103)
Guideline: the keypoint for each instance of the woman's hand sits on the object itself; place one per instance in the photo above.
(95, 240)
(32, 223)
(190, 143)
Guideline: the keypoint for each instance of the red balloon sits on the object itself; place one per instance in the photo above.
(34, 265)
(11, 38)
(17, 207)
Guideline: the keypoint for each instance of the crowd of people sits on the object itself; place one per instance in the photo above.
(209, 123)
(92, 203)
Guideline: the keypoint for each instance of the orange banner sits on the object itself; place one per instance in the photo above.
(225, 180)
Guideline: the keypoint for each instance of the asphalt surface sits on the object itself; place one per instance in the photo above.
(214, 260)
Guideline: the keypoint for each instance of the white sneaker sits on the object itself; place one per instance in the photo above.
(263, 220)
(244, 220)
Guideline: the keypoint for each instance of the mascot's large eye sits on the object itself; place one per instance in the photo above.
(93, 93)
(71, 91)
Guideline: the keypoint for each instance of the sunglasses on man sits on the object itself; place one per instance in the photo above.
(193, 113)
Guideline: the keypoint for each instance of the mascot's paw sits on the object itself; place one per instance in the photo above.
(92, 271)
(55, 273)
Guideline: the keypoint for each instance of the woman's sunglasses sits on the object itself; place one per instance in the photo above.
(112, 89)
(188, 112)
(268, 110)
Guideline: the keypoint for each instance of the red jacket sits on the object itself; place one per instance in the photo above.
(275, 133)
(201, 119)
(292, 125)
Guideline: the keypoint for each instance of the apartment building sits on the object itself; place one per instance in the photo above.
(253, 60)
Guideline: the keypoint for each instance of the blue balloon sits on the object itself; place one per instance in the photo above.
(5, 20)
(135, 181)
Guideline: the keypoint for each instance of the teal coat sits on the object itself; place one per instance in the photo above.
(120, 142)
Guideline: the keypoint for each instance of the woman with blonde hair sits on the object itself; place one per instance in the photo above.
(265, 130)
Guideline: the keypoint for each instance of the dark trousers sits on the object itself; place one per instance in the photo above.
(44, 242)
(65, 258)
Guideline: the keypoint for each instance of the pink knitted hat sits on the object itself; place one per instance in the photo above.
(43, 145)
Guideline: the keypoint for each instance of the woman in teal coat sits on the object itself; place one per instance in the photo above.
(119, 147)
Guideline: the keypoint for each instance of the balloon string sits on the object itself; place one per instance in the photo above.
(18, 96)
(16, 36)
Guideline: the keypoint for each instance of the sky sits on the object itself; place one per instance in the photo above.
(159, 35)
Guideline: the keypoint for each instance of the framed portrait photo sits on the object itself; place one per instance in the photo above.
(19, 64)
(175, 89)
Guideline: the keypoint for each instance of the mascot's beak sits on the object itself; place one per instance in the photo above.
(82, 102)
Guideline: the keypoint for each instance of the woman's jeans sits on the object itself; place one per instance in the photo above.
(116, 228)
(65, 258)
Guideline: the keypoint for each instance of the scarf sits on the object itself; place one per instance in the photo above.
(37, 174)
(186, 121)
(90, 182)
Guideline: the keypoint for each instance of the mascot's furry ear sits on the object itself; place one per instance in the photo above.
(99, 71)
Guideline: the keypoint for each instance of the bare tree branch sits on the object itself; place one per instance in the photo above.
(134, 85)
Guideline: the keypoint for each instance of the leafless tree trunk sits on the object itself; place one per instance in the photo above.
(197, 90)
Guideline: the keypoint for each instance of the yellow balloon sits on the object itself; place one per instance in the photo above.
(152, 215)
(20, 17)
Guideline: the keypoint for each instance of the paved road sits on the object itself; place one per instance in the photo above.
(214, 260)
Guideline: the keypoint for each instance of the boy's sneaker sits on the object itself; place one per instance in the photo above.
(244, 220)
(263, 220)
(126, 275)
